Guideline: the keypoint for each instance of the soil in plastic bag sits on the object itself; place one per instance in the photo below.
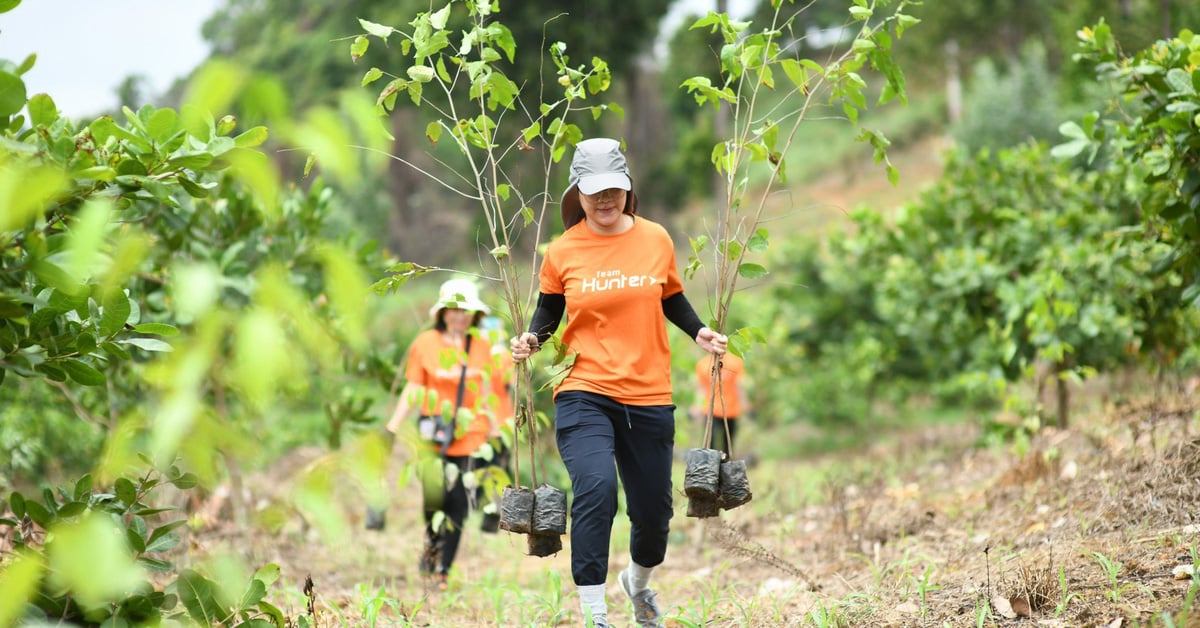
(735, 485)
(703, 474)
(703, 507)
(516, 509)
(542, 545)
(549, 511)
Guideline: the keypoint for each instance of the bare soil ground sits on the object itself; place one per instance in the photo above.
(1085, 526)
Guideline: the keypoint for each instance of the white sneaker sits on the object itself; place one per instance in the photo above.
(645, 608)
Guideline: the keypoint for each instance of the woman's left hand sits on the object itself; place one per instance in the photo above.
(711, 341)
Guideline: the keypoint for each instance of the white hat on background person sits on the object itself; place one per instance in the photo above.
(459, 294)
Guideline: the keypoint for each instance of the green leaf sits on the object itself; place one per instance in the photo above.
(164, 530)
(758, 242)
(162, 124)
(72, 509)
(421, 73)
(195, 190)
(83, 486)
(156, 565)
(751, 271)
(16, 501)
(55, 276)
(433, 131)
(157, 329)
(359, 47)
(116, 313)
(12, 94)
(378, 30)
(198, 596)
(39, 513)
(255, 592)
(164, 543)
(96, 173)
(83, 373)
(186, 481)
(125, 491)
(268, 573)
(136, 540)
(371, 76)
(226, 124)
(252, 137)
(52, 372)
(277, 615)
(42, 110)
(438, 18)
(148, 344)
(11, 309)
(191, 160)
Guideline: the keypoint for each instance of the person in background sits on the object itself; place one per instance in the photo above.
(614, 275)
(446, 371)
(727, 406)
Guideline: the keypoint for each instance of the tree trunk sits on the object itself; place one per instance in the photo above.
(237, 498)
(647, 122)
(953, 83)
(1063, 396)
(425, 227)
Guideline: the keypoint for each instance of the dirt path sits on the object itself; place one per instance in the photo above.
(1081, 527)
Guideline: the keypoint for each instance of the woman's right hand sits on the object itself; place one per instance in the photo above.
(523, 346)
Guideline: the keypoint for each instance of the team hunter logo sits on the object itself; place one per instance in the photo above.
(616, 280)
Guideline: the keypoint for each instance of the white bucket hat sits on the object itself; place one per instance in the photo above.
(598, 164)
(461, 294)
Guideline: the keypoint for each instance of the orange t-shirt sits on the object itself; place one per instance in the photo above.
(728, 403)
(436, 364)
(501, 376)
(614, 287)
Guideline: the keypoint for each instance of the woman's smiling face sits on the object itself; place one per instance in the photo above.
(604, 209)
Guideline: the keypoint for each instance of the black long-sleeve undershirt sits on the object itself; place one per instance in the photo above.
(550, 308)
(547, 315)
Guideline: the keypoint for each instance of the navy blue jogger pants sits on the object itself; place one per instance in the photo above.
(593, 433)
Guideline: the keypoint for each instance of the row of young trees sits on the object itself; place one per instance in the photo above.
(1060, 262)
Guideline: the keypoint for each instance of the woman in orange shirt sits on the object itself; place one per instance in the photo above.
(615, 276)
(447, 371)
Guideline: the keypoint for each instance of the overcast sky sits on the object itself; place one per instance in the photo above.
(85, 48)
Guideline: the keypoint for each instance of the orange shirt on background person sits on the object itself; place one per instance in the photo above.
(613, 284)
(728, 403)
(500, 377)
(436, 365)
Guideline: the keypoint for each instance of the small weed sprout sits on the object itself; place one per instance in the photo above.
(1111, 570)
(924, 586)
(1065, 596)
(372, 602)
